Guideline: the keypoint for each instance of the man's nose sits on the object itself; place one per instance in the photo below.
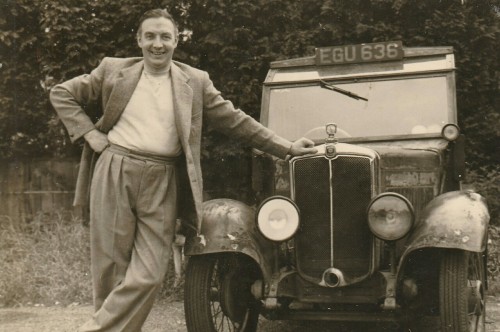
(157, 43)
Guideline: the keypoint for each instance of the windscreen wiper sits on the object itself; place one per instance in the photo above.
(325, 85)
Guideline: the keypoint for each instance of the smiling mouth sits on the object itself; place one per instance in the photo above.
(157, 53)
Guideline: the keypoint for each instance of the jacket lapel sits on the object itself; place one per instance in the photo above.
(120, 95)
(183, 102)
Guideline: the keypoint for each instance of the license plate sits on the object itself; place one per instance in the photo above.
(373, 52)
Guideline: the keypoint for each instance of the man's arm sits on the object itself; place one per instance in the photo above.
(223, 116)
(68, 99)
(97, 140)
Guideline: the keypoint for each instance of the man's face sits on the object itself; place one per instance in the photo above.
(158, 40)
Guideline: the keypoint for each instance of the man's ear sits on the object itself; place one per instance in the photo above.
(138, 37)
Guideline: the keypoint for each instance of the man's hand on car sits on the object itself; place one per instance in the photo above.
(302, 146)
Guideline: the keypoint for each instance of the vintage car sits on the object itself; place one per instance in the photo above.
(375, 226)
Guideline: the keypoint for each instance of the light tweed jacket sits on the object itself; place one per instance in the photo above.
(196, 100)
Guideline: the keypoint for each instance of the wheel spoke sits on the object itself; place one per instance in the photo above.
(216, 310)
(221, 323)
(217, 314)
(229, 323)
(475, 282)
(225, 302)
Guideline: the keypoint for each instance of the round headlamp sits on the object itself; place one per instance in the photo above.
(450, 132)
(390, 216)
(278, 218)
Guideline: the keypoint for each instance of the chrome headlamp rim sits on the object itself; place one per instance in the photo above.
(410, 210)
(276, 198)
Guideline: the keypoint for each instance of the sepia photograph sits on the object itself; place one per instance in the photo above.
(243, 166)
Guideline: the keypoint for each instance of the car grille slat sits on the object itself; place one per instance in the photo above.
(332, 196)
(312, 195)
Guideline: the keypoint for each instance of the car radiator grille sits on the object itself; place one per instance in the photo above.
(333, 196)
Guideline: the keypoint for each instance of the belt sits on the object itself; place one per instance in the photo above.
(145, 156)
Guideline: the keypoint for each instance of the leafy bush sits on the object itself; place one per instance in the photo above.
(44, 42)
(485, 181)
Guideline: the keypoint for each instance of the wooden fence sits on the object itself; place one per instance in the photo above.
(31, 187)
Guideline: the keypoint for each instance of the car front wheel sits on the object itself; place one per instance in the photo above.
(217, 294)
(461, 292)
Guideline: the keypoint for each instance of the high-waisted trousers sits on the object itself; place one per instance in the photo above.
(133, 207)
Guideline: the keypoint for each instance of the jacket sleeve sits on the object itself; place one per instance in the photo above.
(70, 98)
(224, 117)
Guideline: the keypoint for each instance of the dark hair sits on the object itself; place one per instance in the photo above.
(155, 13)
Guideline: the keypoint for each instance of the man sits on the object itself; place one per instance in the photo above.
(149, 133)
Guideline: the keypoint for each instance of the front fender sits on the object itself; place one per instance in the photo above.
(456, 220)
(229, 226)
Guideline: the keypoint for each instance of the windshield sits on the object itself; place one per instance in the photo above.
(409, 106)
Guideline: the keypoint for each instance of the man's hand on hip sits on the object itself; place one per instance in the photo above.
(97, 140)
(302, 146)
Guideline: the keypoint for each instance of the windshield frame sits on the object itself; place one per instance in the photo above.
(367, 73)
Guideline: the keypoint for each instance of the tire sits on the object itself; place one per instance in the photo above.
(217, 294)
(461, 292)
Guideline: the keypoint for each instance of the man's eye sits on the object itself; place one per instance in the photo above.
(166, 37)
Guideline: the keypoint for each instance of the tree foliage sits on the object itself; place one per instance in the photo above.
(44, 42)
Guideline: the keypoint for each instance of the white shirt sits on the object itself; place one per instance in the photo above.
(148, 122)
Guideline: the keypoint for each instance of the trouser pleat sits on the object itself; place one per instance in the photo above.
(133, 212)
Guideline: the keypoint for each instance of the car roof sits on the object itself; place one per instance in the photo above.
(415, 61)
(409, 52)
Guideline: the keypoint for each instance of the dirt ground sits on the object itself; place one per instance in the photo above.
(169, 317)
